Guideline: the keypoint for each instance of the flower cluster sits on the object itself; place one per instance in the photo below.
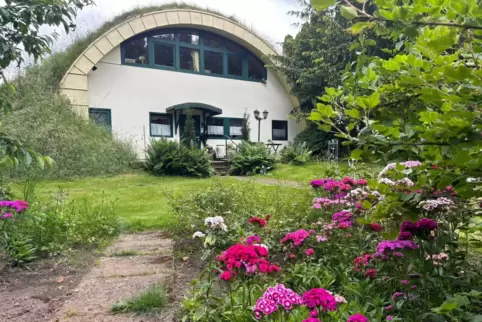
(249, 257)
(258, 221)
(320, 298)
(357, 318)
(9, 207)
(438, 259)
(405, 182)
(375, 226)
(297, 237)
(273, 297)
(216, 223)
(251, 240)
(198, 234)
(325, 202)
(441, 203)
(421, 228)
(385, 249)
(391, 166)
(361, 262)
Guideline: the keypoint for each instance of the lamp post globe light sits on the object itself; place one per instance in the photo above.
(259, 118)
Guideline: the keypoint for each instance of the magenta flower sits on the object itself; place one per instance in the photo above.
(297, 237)
(319, 297)
(358, 318)
(252, 239)
(404, 282)
(385, 248)
(311, 319)
(396, 295)
(389, 317)
(7, 215)
(309, 252)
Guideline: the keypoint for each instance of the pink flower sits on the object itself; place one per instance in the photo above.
(319, 297)
(226, 275)
(375, 226)
(256, 220)
(404, 282)
(371, 273)
(252, 239)
(388, 308)
(389, 317)
(297, 237)
(316, 206)
(396, 295)
(321, 239)
(309, 252)
(357, 318)
(312, 320)
(292, 255)
(7, 215)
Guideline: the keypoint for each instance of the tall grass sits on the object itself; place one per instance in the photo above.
(45, 121)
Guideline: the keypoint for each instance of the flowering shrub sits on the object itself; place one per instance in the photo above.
(392, 250)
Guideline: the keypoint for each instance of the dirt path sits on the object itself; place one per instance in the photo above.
(115, 278)
(84, 291)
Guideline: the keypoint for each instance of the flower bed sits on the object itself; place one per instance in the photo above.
(384, 249)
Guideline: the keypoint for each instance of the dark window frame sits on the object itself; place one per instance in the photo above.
(202, 47)
(226, 124)
(102, 110)
(171, 123)
(285, 138)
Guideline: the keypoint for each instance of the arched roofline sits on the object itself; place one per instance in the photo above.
(74, 83)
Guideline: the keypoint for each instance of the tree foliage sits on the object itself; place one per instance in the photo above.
(189, 133)
(20, 23)
(314, 58)
(424, 101)
(245, 129)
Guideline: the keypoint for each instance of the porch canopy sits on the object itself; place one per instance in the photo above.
(206, 109)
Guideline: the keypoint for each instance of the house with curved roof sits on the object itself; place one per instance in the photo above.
(140, 77)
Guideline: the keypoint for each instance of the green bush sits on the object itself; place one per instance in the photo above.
(172, 158)
(45, 121)
(297, 154)
(251, 159)
(57, 227)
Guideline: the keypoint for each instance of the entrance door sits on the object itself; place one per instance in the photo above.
(197, 126)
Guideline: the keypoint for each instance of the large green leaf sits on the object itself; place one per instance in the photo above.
(348, 12)
(322, 4)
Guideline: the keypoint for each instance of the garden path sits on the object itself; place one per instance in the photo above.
(134, 262)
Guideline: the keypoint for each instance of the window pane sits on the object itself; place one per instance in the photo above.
(235, 65)
(235, 126)
(213, 62)
(189, 59)
(161, 125)
(256, 69)
(100, 117)
(280, 130)
(136, 51)
(163, 55)
(231, 46)
(165, 36)
(189, 37)
(216, 126)
(212, 41)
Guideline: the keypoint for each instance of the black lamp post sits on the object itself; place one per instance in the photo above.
(259, 118)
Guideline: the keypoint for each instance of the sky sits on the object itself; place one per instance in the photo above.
(268, 18)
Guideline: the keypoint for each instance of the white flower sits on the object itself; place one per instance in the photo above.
(199, 234)
(216, 223)
(441, 203)
(387, 181)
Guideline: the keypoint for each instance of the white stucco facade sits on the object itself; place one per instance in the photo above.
(99, 79)
(131, 93)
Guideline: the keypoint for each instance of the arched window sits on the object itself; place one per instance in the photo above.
(193, 51)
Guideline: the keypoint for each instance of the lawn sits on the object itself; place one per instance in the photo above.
(317, 170)
(140, 199)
